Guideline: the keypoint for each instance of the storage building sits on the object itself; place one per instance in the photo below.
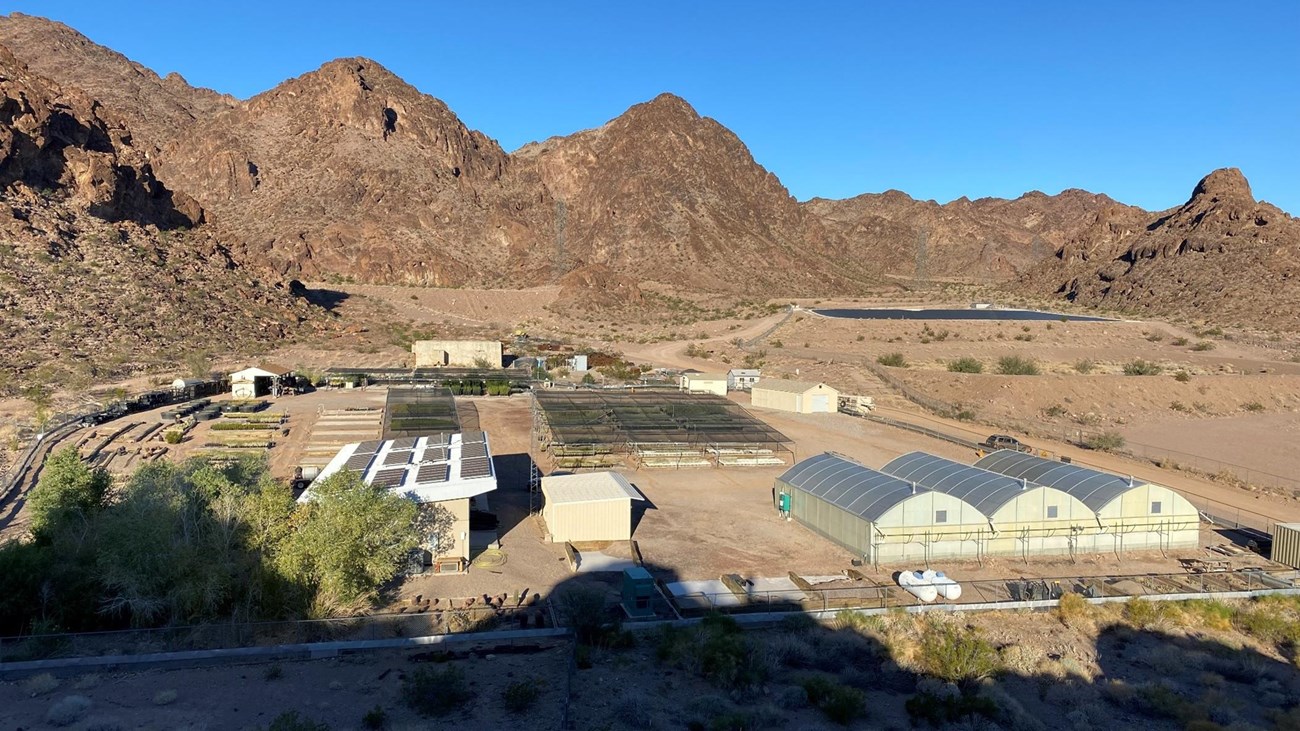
(1133, 514)
(714, 383)
(451, 470)
(457, 353)
(742, 379)
(1024, 519)
(260, 380)
(881, 518)
(801, 397)
(595, 506)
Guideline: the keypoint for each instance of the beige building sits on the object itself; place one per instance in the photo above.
(593, 506)
(457, 353)
(801, 397)
(714, 383)
(257, 381)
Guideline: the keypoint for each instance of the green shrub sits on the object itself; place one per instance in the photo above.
(1209, 332)
(1084, 366)
(1105, 441)
(964, 415)
(435, 691)
(892, 360)
(840, 703)
(1180, 342)
(273, 672)
(291, 721)
(956, 654)
(520, 695)
(941, 711)
(1141, 367)
(717, 651)
(1054, 411)
(965, 365)
(1155, 336)
(1014, 365)
(68, 710)
(375, 719)
(1253, 406)
(173, 436)
(1182, 376)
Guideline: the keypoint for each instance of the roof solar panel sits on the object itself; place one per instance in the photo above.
(471, 436)
(432, 473)
(396, 458)
(434, 454)
(404, 443)
(475, 467)
(388, 478)
(438, 439)
(368, 447)
(469, 451)
(358, 462)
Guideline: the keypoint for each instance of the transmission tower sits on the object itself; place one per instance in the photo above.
(922, 263)
(561, 215)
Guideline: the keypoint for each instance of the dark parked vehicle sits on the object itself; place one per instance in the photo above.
(1002, 441)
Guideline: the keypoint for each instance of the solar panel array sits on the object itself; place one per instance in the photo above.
(358, 462)
(439, 439)
(404, 443)
(388, 478)
(368, 447)
(472, 437)
(475, 467)
(434, 454)
(474, 449)
(397, 457)
(432, 473)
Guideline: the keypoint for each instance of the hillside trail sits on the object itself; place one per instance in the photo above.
(672, 354)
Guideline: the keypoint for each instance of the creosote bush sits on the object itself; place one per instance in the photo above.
(956, 654)
(435, 691)
(1108, 441)
(892, 360)
(520, 695)
(68, 710)
(1084, 366)
(1015, 365)
(965, 365)
(1139, 367)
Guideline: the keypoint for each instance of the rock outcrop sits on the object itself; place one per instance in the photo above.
(1221, 256)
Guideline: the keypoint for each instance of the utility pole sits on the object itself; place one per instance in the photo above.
(561, 216)
(922, 263)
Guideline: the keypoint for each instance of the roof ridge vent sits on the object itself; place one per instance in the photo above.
(913, 487)
(1024, 484)
(1130, 480)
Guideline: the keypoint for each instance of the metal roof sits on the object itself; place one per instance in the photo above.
(987, 491)
(848, 485)
(1093, 488)
(786, 386)
(588, 487)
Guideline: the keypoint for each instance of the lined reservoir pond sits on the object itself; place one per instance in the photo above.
(955, 314)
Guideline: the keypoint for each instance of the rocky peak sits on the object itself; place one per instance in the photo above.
(1223, 185)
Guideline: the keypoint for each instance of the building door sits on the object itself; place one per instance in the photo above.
(820, 403)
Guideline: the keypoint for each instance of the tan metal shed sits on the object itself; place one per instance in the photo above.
(714, 383)
(1286, 544)
(594, 506)
(801, 397)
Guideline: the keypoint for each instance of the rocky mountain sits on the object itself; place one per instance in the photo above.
(1221, 256)
(989, 239)
(103, 268)
(156, 109)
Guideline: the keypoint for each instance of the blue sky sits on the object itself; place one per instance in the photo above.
(1138, 100)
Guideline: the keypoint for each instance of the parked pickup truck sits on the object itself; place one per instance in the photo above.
(1002, 441)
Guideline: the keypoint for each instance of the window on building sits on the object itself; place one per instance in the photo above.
(1051, 511)
(1155, 508)
(941, 516)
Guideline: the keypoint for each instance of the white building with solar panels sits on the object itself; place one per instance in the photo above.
(1133, 514)
(876, 516)
(453, 470)
(1023, 518)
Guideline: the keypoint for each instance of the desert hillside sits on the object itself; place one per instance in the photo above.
(104, 270)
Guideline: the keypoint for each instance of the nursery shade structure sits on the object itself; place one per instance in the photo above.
(877, 516)
(650, 426)
(1132, 514)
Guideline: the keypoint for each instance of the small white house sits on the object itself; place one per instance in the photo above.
(801, 397)
(742, 379)
(714, 383)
